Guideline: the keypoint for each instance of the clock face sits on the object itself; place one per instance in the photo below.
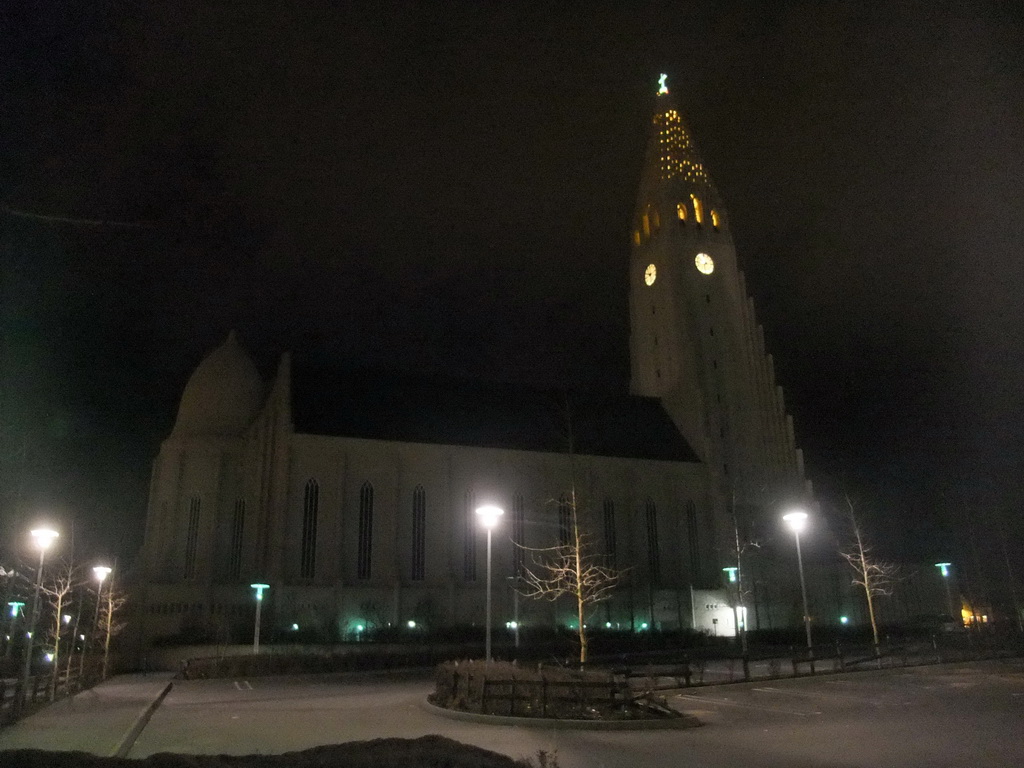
(704, 263)
(650, 274)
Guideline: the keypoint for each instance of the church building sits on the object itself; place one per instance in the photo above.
(354, 497)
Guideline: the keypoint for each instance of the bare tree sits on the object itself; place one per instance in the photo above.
(575, 567)
(110, 626)
(875, 576)
(59, 591)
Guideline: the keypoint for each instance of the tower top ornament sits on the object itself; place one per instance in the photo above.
(662, 88)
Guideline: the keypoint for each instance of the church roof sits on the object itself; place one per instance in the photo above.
(483, 415)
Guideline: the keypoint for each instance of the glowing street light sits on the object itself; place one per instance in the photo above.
(797, 521)
(259, 605)
(488, 514)
(42, 538)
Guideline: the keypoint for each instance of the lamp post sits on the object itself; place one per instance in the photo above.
(797, 521)
(514, 583)
(944, 570)
(43, 538)
(733, 570)
(100, 573)
(16, 607)
(256, 628)
(489, 515)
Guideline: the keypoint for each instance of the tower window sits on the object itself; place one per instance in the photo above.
(656, 219)
(714, 219)
(698, 211)
(653, 559)
(518, 533)
(636, 237)
(469, 538)
(192, 537)
(364, 563)
(681, 211)
(646, 224)
(237, 528)
(564, 521)
(419, 533)
(310, 509)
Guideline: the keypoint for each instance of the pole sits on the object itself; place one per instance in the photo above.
(26, 670)
(515, 612)
(803, 591)
(256, 628)
(487, 629)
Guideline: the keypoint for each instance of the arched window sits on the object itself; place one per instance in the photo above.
(310, 509)
(698, 210)
(564, 521)
(636, 237)
(192, 537)
(714, 218)
(681, 211)
(365, 552)
(609, 531)
(237, 529)
(646, 223)
(653, 558)
(469, 538)
(518, 533)
(419, 533)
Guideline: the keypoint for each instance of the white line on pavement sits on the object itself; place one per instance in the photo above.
(728, 703)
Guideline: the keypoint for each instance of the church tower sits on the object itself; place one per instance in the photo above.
(694, 339)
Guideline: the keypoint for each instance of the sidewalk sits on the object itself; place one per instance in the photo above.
(92, 721)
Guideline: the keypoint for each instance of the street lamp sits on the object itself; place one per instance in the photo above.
(259, 605)
(43, 538)
(797, 521)
(489, 514)
(944, 570)
(100, 573)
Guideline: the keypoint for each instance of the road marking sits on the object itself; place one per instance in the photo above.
(728, 703)
(809, 695)
(244, 685)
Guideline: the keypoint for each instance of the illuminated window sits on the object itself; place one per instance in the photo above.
(653, 558)
(310, 510)
(636, 236)
(237, 528)
(646, 222)
(564, 521)
(364, 554)
(419, 533)
(698, 212)
(714, 218)
(656, 219)
(469, 538)
(192, 537)
(681, 211)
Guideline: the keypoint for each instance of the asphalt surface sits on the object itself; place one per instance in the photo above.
(949, 715)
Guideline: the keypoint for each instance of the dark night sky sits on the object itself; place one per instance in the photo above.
(390, 185)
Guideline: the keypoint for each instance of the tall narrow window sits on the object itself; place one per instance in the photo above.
(653, 559)
(237, 529)
(714, 218)
(518, 533)
(419, 533)
(564, 521)
(646, 223)
(469, 538)
(365, 553)
(698, 209)
(310, 509)
(192, 537)
(609, 531)
(694, 541)
(681, 211)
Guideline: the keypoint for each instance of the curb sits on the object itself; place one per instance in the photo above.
(686, 721)
(126, 743)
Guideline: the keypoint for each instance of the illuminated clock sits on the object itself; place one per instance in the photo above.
(650, 274)
(705, 263)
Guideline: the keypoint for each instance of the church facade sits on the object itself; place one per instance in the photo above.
(354, 497)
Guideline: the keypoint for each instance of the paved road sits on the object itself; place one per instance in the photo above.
(957, 715)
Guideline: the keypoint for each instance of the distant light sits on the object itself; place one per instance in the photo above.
(295, 627)
(607, 625)
(81, 637)
(259, 589)
(796, 520)
(513, 625)
(662, 87)
(943, 569)
(101, 572)
(44, 537)
(644, 625)
(360, 627)
(844, 619)
(15, 607)
(489, 514)
(67, 618)
(410, 624)
(732, 573)
(49, 657)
